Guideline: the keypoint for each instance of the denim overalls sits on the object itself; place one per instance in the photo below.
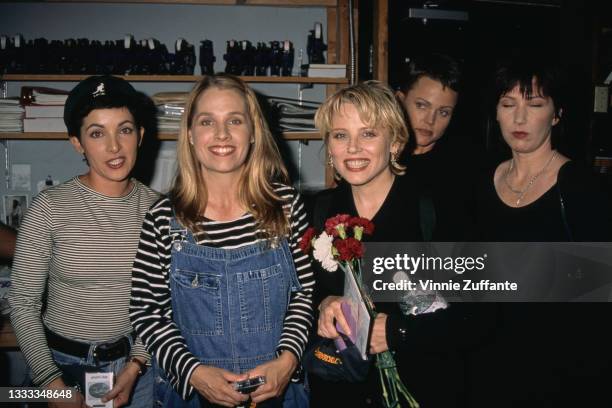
(229, 304)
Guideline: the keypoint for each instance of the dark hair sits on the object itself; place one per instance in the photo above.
(534, 76)
(439, 67)
(522, 72)
(87, 97)
(74, 128)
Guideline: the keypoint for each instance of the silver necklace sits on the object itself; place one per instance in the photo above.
(521, 193)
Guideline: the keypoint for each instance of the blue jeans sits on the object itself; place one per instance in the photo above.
(74, 368)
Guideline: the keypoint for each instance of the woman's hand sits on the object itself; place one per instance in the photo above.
(330, 312)
(378, 340)
(120, 394)
(215, 384)
(78, 402)
(277, 372)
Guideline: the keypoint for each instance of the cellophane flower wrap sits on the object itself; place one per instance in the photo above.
(340, 245)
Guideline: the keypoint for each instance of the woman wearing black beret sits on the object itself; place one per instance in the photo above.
(71, 276)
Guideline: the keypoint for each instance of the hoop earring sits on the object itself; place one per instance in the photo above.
(393, 160)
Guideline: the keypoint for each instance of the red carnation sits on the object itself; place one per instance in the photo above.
(367, 225)
(306, 241)
(344, 253)
(356, 247)
(348, 248)
(334, 225)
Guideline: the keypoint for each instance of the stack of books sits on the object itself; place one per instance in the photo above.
(170, 108)
(324, 70)
(44, 109)
(294, 115)
(11, 115)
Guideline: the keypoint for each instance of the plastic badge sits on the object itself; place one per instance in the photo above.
(96, 386)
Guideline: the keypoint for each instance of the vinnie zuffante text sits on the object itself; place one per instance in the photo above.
(430, 285)
(407, 264)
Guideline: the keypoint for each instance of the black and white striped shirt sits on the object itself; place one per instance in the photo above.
(79, 245)
(151, 308)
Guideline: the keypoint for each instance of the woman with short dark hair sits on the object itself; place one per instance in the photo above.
(539, 194)
(442, 162)
(545, 354)
(76, 245)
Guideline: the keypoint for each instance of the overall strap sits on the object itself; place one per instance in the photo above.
(177, 228)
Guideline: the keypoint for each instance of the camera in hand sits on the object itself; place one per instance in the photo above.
(249, 385)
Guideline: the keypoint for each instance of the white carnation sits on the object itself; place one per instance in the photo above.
(323, 252)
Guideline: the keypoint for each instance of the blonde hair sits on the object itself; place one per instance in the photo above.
(377, 107)
(263, 165)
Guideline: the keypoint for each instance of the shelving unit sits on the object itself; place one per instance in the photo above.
(165, 79)
(337, 41)
(289, 3)
(178, 78)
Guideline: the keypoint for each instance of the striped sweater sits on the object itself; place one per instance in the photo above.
(151, 309)
(79, 246)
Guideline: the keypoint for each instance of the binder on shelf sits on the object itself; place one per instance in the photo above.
(44, 125)
(324, 70)
(327, 66)
(43, 96)
(44, 111)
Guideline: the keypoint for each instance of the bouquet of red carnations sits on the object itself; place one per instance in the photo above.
(340, 245)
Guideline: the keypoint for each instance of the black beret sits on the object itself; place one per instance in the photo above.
(96, 89)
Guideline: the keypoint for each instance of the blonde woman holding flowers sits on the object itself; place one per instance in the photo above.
(364, 131)
(221, 291)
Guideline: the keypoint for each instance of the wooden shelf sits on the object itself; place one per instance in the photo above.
(176, 78)
(286, 3)
(302, 136)
(161, 136)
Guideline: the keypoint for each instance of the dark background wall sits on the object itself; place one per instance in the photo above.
(571, 32)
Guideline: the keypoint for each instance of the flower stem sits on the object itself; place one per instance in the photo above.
(393, 389)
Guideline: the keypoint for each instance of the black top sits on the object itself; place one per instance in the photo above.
(547, 354)
(396, 221)
(447, 174)
(584, 215)
(430, 349)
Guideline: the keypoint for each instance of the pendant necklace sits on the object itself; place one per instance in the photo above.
(521, 193)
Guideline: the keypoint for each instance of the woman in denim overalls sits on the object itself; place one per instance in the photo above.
(216, 294)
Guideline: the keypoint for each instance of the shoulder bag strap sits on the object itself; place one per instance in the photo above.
(566, 226)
